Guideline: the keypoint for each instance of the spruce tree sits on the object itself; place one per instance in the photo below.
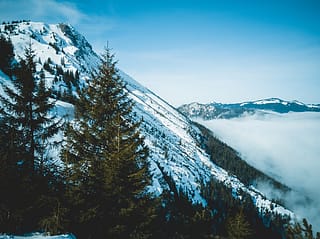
(106, 160)
(27, 107)
(6, 55)
(25, 115)
(238, 227)
(298, 231)
(10, 178)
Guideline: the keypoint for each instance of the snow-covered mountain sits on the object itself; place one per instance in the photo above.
(226, 111)
(173, 140)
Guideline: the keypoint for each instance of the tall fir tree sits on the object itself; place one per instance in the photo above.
(106, 160)
(26, 106)
(7, 55)
(25, 115)
(238, 227)
(298, 231)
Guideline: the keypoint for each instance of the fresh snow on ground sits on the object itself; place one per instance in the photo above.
(38, 236)
(268, 101)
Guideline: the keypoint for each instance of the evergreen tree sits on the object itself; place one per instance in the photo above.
(25, 115)
(301, 232)
(183, 219)
(238, 227)
(6, 55)
(27, 107)
(107, 161)
(10, 181)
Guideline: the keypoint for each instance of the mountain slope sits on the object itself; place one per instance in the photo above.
(37, 236)
(172, 139)
(227, 111)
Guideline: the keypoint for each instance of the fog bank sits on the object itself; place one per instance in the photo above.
(285, 146)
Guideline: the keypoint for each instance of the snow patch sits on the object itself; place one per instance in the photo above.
(38, 236)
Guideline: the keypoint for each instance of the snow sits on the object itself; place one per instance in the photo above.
(267, 101)
(70, 50)
(169, 135)
(185, 162)
(3, 76)
(64, 109)
(298, 102)
(314, 106)
(38, 236)
(4, 79)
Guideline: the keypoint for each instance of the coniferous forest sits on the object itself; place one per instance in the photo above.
(100, 187)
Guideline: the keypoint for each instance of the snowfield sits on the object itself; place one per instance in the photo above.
(38, 236)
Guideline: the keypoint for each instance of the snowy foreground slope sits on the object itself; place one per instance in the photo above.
(170, 136)
(37, 236)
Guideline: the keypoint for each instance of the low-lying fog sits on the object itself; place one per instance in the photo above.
(285, 146)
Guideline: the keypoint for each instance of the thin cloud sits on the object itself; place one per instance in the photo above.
(50, 11)
(55, 11)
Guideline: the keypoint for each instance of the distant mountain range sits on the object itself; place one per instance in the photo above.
(226, 111)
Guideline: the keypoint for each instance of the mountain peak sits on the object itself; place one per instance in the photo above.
(59, 42)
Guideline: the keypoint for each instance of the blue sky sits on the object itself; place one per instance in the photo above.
(224, 51)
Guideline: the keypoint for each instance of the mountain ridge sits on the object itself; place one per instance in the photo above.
(233, 110)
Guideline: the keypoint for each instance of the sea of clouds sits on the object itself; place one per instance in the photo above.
(286, 147)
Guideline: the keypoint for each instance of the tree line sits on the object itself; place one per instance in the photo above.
(100, 187)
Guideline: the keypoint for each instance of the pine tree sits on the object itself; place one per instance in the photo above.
(301, 232)
(10, 182)
(6, 55)
(25, 115)
(27, 107)
(106, 160)
(238, 227)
